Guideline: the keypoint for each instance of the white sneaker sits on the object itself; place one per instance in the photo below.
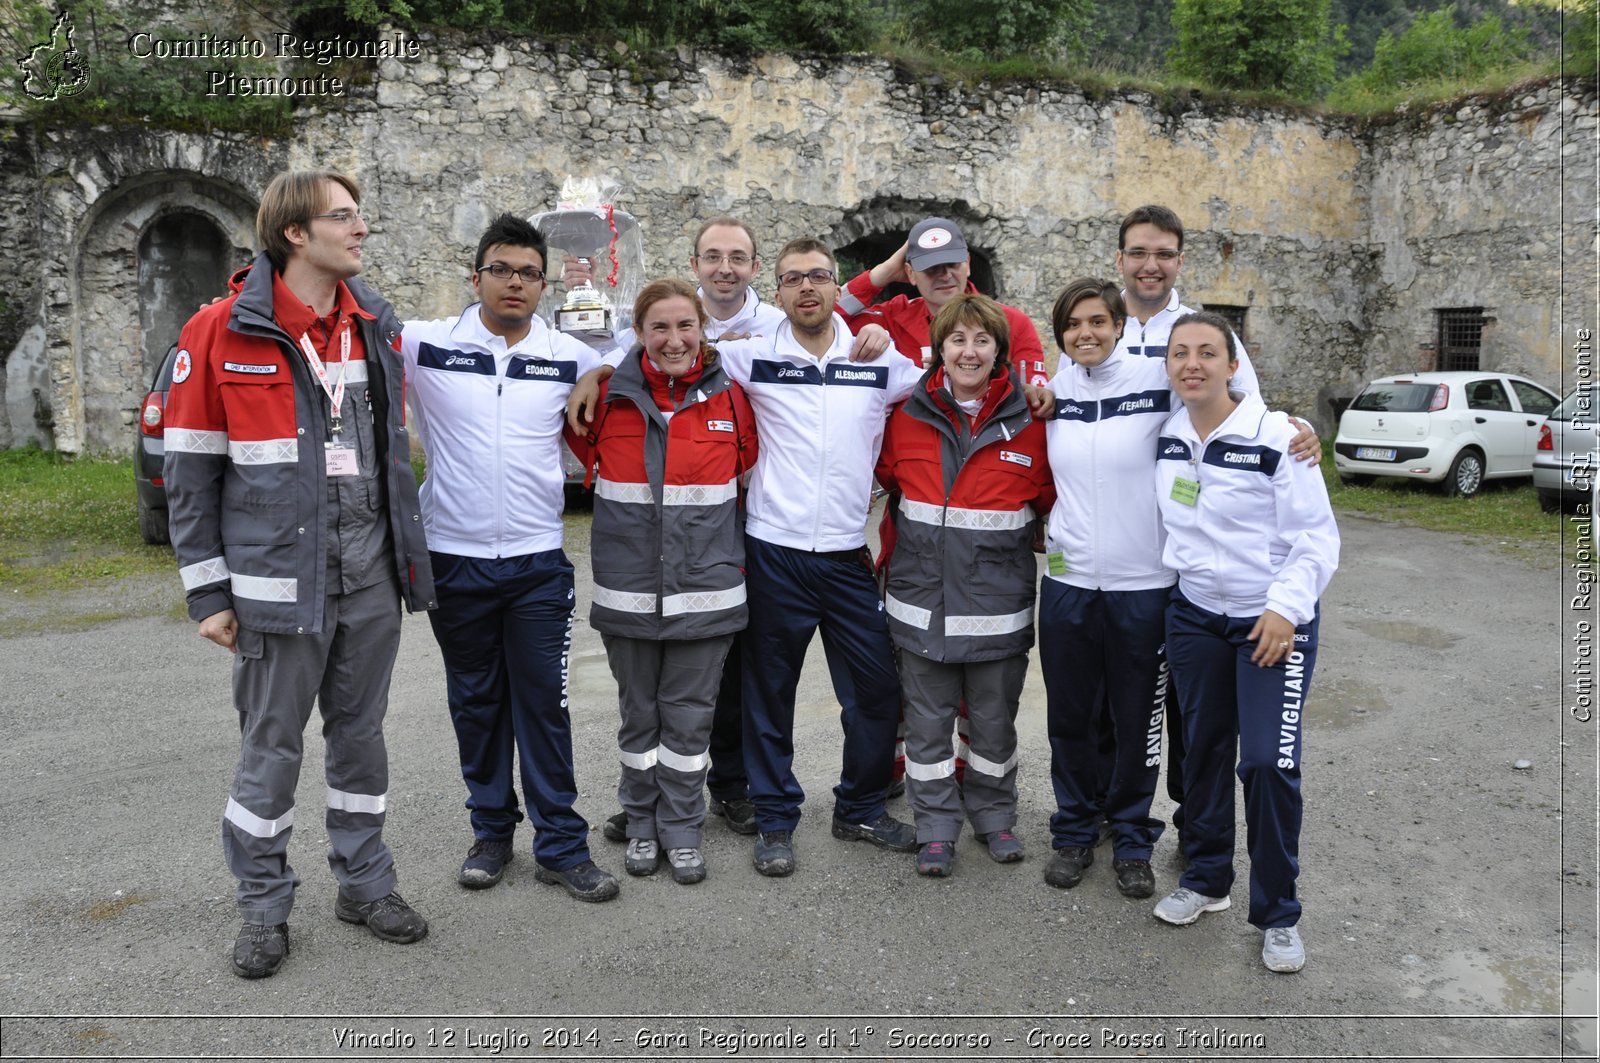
(1183, 906)
(643, 856)
(1282, 950)
(687, 865)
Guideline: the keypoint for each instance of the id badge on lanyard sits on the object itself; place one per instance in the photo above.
(341, 458)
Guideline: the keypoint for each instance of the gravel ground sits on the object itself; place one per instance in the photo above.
(1450, 894)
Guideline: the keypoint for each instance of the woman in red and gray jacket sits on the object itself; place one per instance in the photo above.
(966, 463)
(673, 437)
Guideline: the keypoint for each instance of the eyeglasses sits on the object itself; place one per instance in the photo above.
(1139, 254)
(502, 272)
(738, 260)
(346, 218)
(794, 278)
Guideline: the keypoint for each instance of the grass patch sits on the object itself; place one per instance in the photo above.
(1505, 511)
(1365, 102)
(68, 523)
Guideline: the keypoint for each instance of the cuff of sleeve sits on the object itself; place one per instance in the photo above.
(204, 603)
(1290, 612)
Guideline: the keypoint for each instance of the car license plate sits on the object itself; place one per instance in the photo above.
(1580, 476)
(1374, 453)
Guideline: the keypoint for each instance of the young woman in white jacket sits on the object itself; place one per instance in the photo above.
(1252, 538)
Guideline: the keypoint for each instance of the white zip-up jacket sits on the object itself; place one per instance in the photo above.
(490, 419)
(821, 423)
(1261, 533)
(1102, 454)
(1149, 338)
(755, 317)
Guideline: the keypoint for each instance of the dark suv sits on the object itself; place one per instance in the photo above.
(152, 453)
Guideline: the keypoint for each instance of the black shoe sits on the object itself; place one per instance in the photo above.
(1134, 878)
(886, 832)
(740, 812)
(1066, 867)
(897, 788)
(774, 856)
(259, 949)
(485, 864)
(616, 828)
(389, 918)
(585, 882)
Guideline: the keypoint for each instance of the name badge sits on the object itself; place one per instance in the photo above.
(1185, 491)
(341, 461)
(1056, 563)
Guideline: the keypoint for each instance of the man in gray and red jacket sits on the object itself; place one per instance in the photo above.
(296, 523)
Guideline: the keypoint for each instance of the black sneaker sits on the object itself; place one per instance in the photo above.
(1066, 867)
(616, 828)
(1134, 878)
(774, 855)
(897, 788)
(389, 918)
(485, 864)
(585, 882)
(886, 832)
(740, 812)
(259, 949)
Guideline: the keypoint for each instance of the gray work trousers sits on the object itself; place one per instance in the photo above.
(276, 679)
(988, 793)
(667, 691)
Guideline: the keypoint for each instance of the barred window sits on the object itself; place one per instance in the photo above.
(1460, 338)
(1234, 315)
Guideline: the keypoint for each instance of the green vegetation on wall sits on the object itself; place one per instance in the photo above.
(1374, 54)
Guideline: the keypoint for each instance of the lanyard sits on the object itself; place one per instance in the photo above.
(335, 392)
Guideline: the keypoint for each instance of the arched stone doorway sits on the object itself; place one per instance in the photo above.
(878, 227)
(157, 247)
(183, 263)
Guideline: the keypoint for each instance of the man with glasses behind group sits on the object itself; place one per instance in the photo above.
(1149, 258)
(490, 392)
(821, 419)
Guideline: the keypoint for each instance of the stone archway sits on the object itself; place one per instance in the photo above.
(159, 245)
(184, 261)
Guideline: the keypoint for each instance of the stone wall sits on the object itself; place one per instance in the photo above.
(1342, 239)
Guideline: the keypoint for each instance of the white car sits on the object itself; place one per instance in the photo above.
(1568, 452)
(1458, 429)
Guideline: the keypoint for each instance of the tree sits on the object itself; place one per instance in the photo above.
(1285, 46)
(1434, 49)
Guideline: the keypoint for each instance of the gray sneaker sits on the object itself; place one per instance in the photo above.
(688, 866)
(643, 856)
(1282, 950)
(1183, 906)
(775, 853)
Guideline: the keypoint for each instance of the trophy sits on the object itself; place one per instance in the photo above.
(586, 226)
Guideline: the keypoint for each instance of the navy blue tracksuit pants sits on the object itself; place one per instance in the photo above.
(1235, 712)
(1102, 652)
(504, 626)
(792, 593)
(727, 780)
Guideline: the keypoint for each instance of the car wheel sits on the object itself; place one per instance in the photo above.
(578, 498)
(153, 524)
(1466, 474)
(1355, 479)
(1549, 501)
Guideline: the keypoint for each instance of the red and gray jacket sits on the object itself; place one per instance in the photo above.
(245, 467)
(667, 543)
(960, 582)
